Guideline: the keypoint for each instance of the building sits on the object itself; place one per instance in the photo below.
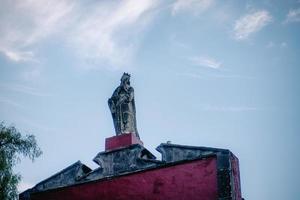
(128, 171)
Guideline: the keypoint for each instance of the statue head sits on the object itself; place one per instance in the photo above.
(125, 79)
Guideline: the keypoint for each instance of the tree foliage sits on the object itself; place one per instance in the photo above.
(12, 145)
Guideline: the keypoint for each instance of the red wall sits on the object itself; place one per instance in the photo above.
(187, 181)
(123, 140)
(236, 177)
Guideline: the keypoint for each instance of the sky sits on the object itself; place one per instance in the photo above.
(212, 73)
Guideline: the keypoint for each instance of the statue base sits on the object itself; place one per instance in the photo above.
(121, 141)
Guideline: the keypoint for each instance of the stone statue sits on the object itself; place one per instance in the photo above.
(122, 107)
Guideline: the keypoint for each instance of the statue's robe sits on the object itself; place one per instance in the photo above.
(122, 106)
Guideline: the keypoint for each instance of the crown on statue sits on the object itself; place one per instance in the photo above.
(125, 76)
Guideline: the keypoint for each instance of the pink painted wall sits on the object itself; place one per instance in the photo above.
(186, 181)
(236, 177)
(120, 141)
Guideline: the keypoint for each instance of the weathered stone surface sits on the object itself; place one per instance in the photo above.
(175, 152)
(65, 177)
(122, 107)
(134, 157)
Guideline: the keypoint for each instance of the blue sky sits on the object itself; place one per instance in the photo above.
(206, 73)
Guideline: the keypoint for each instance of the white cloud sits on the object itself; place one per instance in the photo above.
(209, 76)
(175, 41)
(24, 89)
(102, 31)
(111, 31)
(272, 44)
(205, 61)
(196, 6)
(17, 56)
(251, 23)
(33, 74)
(24, 23)
(10, 103)
(229, 108)
(293, 16)
(283, 44)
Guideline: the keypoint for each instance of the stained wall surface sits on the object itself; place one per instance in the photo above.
(189, 180)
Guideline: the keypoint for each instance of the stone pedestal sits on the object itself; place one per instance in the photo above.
(121, 141)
